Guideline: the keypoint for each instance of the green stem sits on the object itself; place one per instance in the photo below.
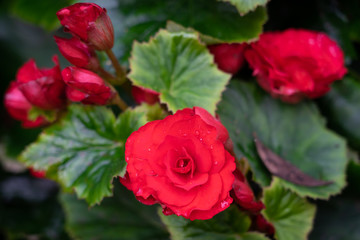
(119, 102)
(118, 68)
(108, 77)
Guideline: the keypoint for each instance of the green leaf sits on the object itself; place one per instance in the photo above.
(39, 12)
(219, 20)
(297, 133)
(337, 219)
(341, 107)
(245, 6)
(180, 68)
(341, 22)
(231, 224)
(291, 215)
(87, 147)
(119, 217)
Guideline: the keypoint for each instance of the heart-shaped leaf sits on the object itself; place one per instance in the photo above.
(231, 224)
(341, 106)
(296, 133)
(119, 217)
(87, 148)
(245, 6)
(291, 215)
(180, 68)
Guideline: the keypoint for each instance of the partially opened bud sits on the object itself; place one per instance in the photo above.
(244, 196)
(141, 95)
(262, 225)
(78, 53)
(228, 57)
(18, 107)
(43, 88)
(85, 86)
(37, 173)
(90, 23)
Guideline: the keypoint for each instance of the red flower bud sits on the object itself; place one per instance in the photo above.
(85, 86)
(78, 53)
(262, 225)
(18, 107)
(243, 195)
(90, 23)
(37, 173)
(141, 95)
(43, 88)
(228, 57)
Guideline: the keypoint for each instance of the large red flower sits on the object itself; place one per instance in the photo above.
(181, 163)
(295, 64)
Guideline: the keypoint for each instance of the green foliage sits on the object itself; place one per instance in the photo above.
(297, 133)
(218, 20)
(245, 6)
(87, 148)
(231, 224)
(341, 106)
(39, 12)
(180, 68)
(338, 218)
(291, 215)
(120, 217)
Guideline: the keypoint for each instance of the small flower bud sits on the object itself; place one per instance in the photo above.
(85, 86)
(18, 107)
(228, 57)
(244, 196)
(43, 88)
(78, 53)
(141, 95)
(90, 23)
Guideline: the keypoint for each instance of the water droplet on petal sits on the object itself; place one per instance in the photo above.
(139, 191)
(211, 147)
(127, 158)
(185, 134)
(216, 163)
(224, 204)
(197, 132)
(149, 149)
(152, 173)
(200, 139)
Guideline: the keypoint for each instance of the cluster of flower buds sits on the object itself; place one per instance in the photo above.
(37, 92)
(92, 30)
(35, 88)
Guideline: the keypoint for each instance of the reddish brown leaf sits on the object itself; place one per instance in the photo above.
(284, 169)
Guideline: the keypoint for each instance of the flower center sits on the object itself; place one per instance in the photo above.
(184, 164)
